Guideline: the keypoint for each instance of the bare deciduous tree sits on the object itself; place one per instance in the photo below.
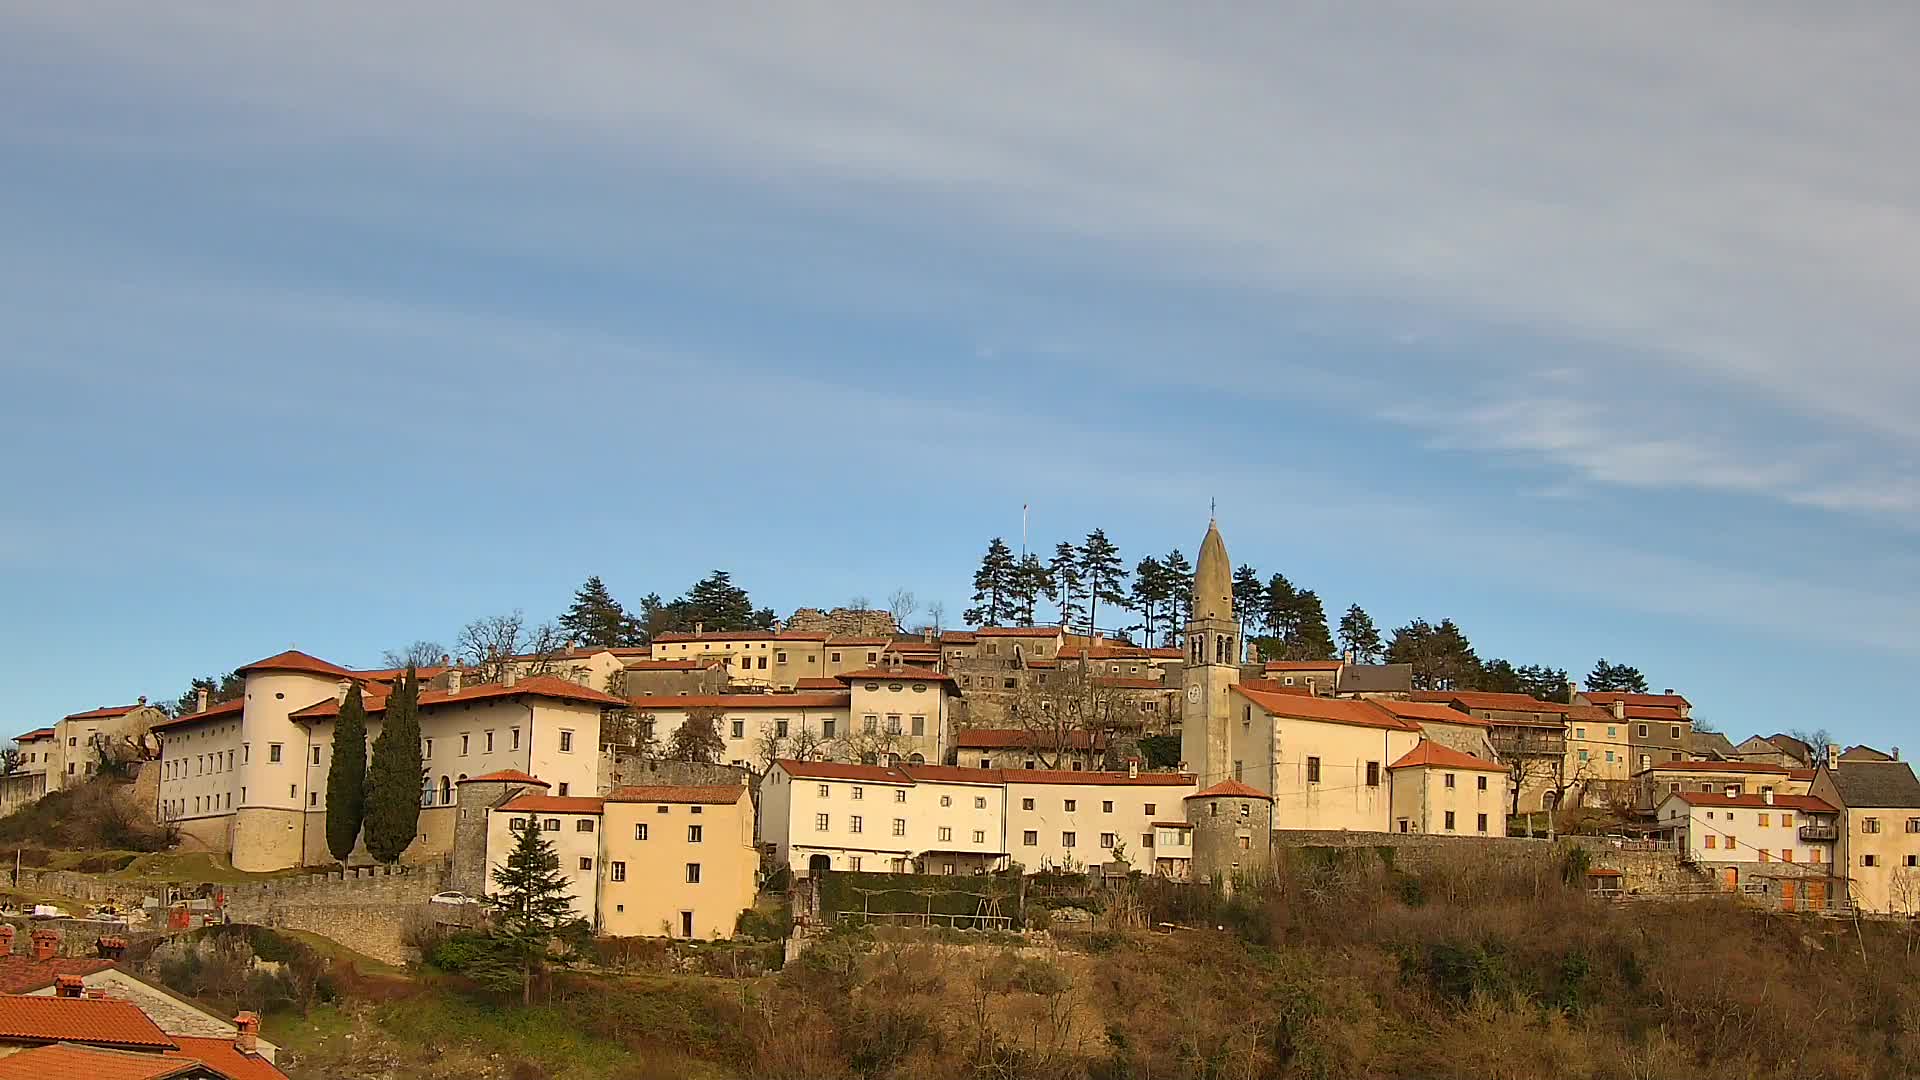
(630, 734)
(901, 605)
(1068, 706)
(495, 644)
(419, 654)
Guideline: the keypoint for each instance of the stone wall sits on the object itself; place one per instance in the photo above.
(367, 910)
(80, 886)
(632, 771)
(842, 622)
(1648, 873)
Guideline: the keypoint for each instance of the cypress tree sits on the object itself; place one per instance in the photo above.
(394, 778)
(347, 776)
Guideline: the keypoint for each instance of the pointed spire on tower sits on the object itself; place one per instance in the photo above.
(1213, 578)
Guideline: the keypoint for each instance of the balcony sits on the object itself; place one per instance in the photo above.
(1818, 833)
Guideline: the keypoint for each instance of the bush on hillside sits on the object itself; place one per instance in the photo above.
(101, 814)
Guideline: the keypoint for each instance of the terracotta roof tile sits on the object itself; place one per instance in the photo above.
(678, 638)
(1330, 710)
(818, 682)
(105, 712)
(857, 641)
(1430, 712)
(1231, 789)
(1103, 779)
(1806, 803)
(223, 1056)
(956, 637)
(95, 1021)
(1718, 766)
(835, 770)
(223, 710)
(36, 733)
(505, 776)
(903, 673)
(709, 794)
(553, 804)
(295, 660)
(689, 664)
(21, 974)
(1118, 652)
(741, 701)
(1492, 701)
(1608, 697)
(543, 686)
(1302, 665)
(1430, 754)
(1651, 712)
(951, 774)
(1018, 631)
(70, 1060)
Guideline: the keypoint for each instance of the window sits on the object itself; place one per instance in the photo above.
(1913, 825)
(1026, 804)
(489, 736)
(836, 658)
(899, 826)
(1066, 839)
(1583, 755)
(694, 831)
(870, 724)
(946, 834)
(583, 825)
(979, 836)
(1106, 840)
(820, 822)
(316, 755)
(1449, 821)
(552, 824)
(616, 871)
(1313, 770)
(586, 862)
(893, 724)
(853, 863)
(563, 789)
(919, 723)
(1151, 809)
(1815, 856)
(1373, 774)
(1869, 860)
(780, 658)
(1764, 820)
(946, 800)
(823, 791)
(1072, 804)
(859, 793)
(246, 751)
(1146, 839)
(1106, 806)
(1030, 838)
(739, 729)
(516, 738)
(693, 810)
(899, 794)
(1481, 824)
(1482, 785)
(979, 802)
(1912, 860)
(693, 878)
(1449, 781)
(1870, 825)
(826, 729)
(1236, 770)
(313, 798)
(273, 752)
(1786, 854)
(1609, 757)
(640, 831)
(466, 743)
(1579, 733)
(856, 823)
(1643, 731)
(780, 729)
(566, 742)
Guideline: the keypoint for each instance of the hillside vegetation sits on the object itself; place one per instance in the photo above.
(1342, 967)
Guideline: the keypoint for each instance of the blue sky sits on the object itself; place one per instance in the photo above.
(337, 328)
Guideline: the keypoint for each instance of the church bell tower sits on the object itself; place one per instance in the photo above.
(1212, 667)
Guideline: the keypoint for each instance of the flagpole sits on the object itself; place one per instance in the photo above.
(1023, 531)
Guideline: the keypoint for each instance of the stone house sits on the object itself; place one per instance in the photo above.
(1530, 736)
(1878, 834)
(1764, 843)
(1437, 789)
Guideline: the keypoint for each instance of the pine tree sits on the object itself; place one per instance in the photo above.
(1616, 678)
(228, 687)
(596, 619)
(1311, 640)
(1247, 598)
(1064, 572)
(1359, 636)
(1180, 580)
(1031, 581)
(347, 776)
(1104, 574)
(532, 904)
(716, 603)
(697, 738)
(1441, 656)
(993, 588)
(1151, 593)
(1279, 613)
(395, 777)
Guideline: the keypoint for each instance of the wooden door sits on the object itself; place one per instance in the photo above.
(1730, 878)
(1816, 894)
(1789, 896)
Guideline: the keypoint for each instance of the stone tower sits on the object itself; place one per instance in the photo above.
(1232, 833)
(1213, 665)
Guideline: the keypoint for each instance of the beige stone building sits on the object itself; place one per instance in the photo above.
(1529, 735)
(1652, 785)
(1437, 789)
(1877, 836)
(748, 721)
(69, 752)
(571, 824)
(1325, 761)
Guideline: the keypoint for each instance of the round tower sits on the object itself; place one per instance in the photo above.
(1232, 832)
(270, 807)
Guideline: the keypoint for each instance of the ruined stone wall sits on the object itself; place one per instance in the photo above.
(624, 771)
(841, 621)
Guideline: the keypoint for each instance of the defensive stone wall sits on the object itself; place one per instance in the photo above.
(1644, 872)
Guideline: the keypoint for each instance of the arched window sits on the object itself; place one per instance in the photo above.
(446, 791)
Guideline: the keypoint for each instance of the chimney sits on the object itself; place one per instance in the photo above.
(453, 681)
(699, 628)
(1833, 755)
(143, 699)
(1619, 710)
(1896, 753)
(1352, 656)
(68, 986)
(247, 1034)
(1766, 796)
(203, 700)
(111, 947)
(6, 938)
(512, 676)
(1668, 691)
(446, 660)
(46, 945)
(1133, 768)
(1573, 690)
(341, 690)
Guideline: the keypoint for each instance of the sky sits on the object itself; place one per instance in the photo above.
(337, 326)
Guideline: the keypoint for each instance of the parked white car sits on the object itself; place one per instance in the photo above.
(454, 898)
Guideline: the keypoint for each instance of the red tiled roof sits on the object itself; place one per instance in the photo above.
(295, 660)
(36, 733)
(21, 974)
(1042, 662)
(69, 1060)
(914, 645)
(1330, 710)
(1118, 652)
(1019, 738)
(1273, 686)
(214, 712)
(709, 794)
(1651, 712)
(1608, 697)
(835, 770)
(394, 674)
(689, 664)
(1302, 665)
(553, 804)
(104, 712)
(1717, 766)
(544, 686)
(1430, 754)
(857, 641)
(1018, 631)
(1231, 789)
(505, 776)
(224, 1057)
(818, 682)
(741, 701)
(1592, 714)
(1430, 712)
(95, 1021)
(1104, 779)
(956, 637)
(903, 673)
(1492, 701)
(951, 774)
(1758, 802)
(1801, 774)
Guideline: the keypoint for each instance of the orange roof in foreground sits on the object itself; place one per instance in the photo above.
(545, 686)
(553, 804)
(710, 794)
(1430, 754)
(505, 776)
(295, 660)
(222, 1055)
(1231, 789)
(97, 1021)
(1758, 802)
(69, 1060)
(1330, 710)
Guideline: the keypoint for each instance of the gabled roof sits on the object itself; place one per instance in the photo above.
(1017, 631)
(94, 1021)
(1492, 701)
(1875, 783)
(59, 1061)
(741, 702)
(1864, 752)
(394, 674)
(225, 1058)
(36, 733)
(1431, 755)
(707, 794)
(740, 635)
(956, 637)
(1329, 710)
(1428, 712)
(1655, 712)
(818, 682)
(22, 974)
(505, 776)
(1115, 651)
(1102, 779)
(541, 686)
(295, 660)
(688, 664)
(903, 673)
(836, 770)
(1608, 697)
(1231, 789)
(953, 774)
(104, 712)
(1757, 801)
(553, 804)
(1376, 678)
(221, 711)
